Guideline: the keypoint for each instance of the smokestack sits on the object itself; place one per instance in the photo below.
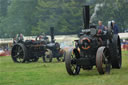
(52, 34)
(86, 16)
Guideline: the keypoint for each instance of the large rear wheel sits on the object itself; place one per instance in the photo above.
(116, 52)
(71, 67)
(19, 53)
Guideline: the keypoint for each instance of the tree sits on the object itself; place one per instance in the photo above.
(32, 17)
(114, 10)
(64, 15)
(20, 18)
(3, 7)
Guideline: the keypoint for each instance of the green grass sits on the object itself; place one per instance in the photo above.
(40, 73)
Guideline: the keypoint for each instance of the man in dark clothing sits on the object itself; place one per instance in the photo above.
(115, 27)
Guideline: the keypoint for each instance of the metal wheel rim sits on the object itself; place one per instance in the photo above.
(47, 55)
(73, 66)
(102, 61)
(18, 54)
(119, 56)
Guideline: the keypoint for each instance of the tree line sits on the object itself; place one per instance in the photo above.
(32, 17)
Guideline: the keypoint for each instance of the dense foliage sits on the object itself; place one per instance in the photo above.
(32, 17)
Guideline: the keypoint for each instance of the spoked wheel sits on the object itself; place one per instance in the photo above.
(71, 67)
(103, 61)
(48, 56)
(116, 53)
(19, 53)
(62, 55)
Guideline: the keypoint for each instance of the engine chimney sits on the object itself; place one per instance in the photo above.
(52, 34)
(86, 16)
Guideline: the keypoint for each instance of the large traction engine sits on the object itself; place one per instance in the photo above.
(32, 50)
(28, 51)
(101, 49)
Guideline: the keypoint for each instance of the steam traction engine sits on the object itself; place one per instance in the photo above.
(94, 47)
(31, 50)
(53, 50)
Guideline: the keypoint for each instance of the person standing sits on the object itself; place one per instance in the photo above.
(115, 27)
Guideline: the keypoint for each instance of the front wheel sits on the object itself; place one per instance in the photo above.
(62, 55)
(102, 61)
(71, 67)
(48, 56)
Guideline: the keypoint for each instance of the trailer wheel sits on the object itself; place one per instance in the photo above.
(116, 52)
(48, 56)
(19, 53)
(102, 60)
(70, 64)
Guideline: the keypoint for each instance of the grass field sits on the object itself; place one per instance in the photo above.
(40, 73)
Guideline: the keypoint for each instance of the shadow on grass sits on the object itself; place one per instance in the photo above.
(121, 71)
(49, 62)
(94, 72)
